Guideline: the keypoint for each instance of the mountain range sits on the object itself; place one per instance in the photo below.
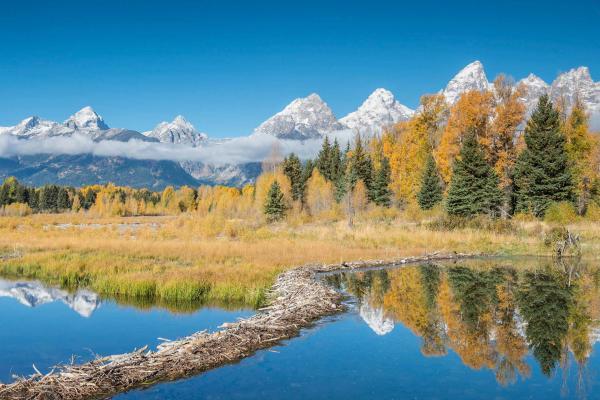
(304, 119)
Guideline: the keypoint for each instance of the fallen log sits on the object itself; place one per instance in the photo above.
(298, 299)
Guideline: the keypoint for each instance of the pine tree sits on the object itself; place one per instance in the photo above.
(22, 194)
(542, 173)
(34, 197)
(335, 162)
(63, 202)
(361, 166)
(275, 206)
(341, 181)
(49, 198)
(307, 171)
(431, 192)
(90, 199)
(382, 195)
(323, 162)
(474, 184)
(292, 168)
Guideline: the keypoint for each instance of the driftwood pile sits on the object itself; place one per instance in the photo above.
(297, 300)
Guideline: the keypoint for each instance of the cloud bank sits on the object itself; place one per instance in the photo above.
(232, 151)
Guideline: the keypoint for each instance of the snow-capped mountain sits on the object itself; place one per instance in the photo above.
(534, 88)
(179, 131)
(86, 119)
(33, 294)
(577, 83)
(379, 110)
(471, 77)
(36, 127)
(304, 118)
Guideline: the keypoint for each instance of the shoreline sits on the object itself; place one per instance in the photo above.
(298, 299)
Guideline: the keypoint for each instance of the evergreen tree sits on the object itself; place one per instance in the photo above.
(49, 198)
(542, 173)
(63, 202)
(292, 168)
(323, 162)
(341, 181)
(335, 162)
(474, 184)
(34, 196)
(275, 207)
(382, 195)
(22, 194)
(361, 166)
(307, 171)
(90, 199)
(431, 192)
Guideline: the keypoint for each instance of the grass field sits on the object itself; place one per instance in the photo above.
(178, 260)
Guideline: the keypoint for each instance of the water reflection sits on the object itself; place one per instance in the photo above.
(491, 314)
(33, 294)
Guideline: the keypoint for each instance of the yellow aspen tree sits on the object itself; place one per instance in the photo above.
(580, 150)
(509, 114)
(471, 114)
(264, 182)
(319, 194)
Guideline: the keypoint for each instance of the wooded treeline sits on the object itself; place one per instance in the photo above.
(482, 156)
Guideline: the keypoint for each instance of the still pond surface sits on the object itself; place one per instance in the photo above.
(478, 329)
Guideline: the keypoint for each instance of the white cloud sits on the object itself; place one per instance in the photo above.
(253, 148)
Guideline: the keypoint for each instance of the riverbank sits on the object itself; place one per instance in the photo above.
(297, 299)
(232, 262)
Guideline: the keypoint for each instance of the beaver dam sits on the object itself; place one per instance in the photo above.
(298, 299)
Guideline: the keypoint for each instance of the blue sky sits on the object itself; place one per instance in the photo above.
(227, 66)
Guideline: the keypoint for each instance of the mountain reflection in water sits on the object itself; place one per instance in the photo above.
(491, 314)
(33, 294)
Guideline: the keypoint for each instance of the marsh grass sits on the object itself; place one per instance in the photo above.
(203, 260)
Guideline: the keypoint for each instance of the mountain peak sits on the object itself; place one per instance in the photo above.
(379, 110)
(471, 77)
(304, 118)
(533, 79)
(86, 118)
(178, 131)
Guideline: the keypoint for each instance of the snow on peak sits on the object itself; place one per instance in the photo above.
(534, 88)
(35, 126)
(471, 77)
(86, 118)
(179, 131)
(379, 110)
(577, 83)
(303, 118)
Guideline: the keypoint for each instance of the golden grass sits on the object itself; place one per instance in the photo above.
(204, 259)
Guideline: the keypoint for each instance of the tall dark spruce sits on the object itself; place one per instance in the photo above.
(275, 206)
(474, 185)
(292, 168)
(381, 193)
(431, 192)
(542, 173)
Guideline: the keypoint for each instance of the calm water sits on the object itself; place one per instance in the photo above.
(45, 326)
(502, 329)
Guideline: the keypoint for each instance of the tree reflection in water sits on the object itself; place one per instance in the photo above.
(491, 313)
